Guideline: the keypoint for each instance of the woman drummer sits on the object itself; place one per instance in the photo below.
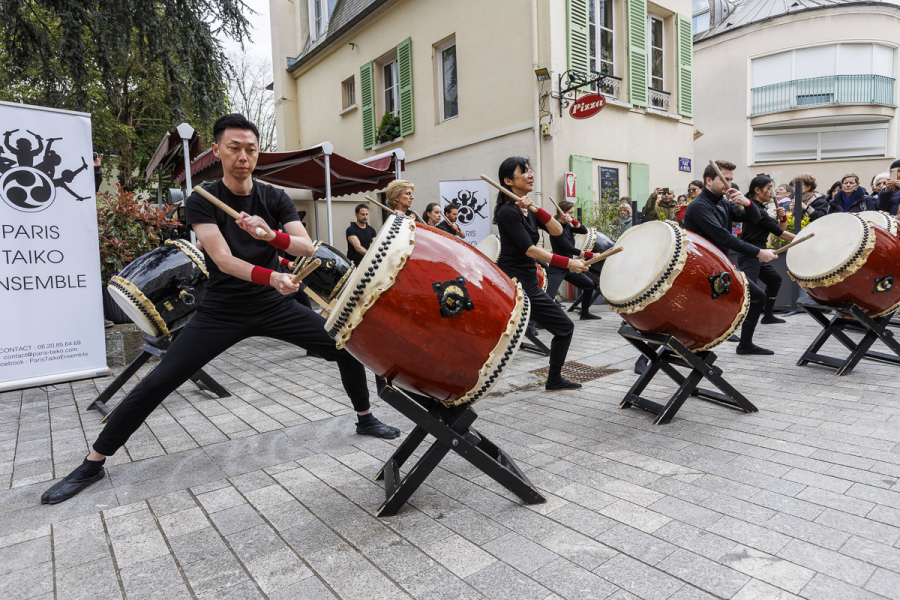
(433, 214)
(757, 234)
(518, 253)
(564, 245)
(399, 195)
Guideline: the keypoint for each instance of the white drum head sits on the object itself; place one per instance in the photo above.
(647, 252)
(585, 241)
(490, 247)
(839, 238)
(133, 311)
(880, 218)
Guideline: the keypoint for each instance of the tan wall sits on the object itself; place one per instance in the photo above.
(722, 80)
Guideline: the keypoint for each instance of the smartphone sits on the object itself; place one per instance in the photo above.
(95, 156)
(665, 190)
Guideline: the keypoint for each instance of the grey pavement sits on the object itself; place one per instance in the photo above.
(270, 493)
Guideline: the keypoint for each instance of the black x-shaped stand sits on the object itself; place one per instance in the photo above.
(849, 317)
(153, 346)
(452, 429)
(536, 345)
(670, 354)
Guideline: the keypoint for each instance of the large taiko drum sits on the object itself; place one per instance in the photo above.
(330, 277)
(673, 282)
(430, 314)
(882, 219)
(490, 247)
(596, 242)
(160, 290)
(849, 260)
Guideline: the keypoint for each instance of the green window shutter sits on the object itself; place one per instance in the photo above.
(405, 79)
(583, 167)
(367, 93)
(685, 66)
(637, 51)
(577, 35)
(639, 183)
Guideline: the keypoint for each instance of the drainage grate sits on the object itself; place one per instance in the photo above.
(577, 372)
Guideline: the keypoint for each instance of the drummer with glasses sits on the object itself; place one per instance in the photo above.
(518, 253)
(399, 196)
(564, 245)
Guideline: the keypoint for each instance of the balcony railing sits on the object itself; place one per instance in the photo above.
(610, 87)
(659, 99)
(823, 91)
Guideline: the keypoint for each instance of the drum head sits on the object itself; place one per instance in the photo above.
(647, 253)
(131, 305)
(602, 243)
(490, 247)
(840, 238)
(880, 218)
(585, 241)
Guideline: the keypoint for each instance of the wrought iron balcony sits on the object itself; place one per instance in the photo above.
(659, 99)
(823, 91)
(610, 87)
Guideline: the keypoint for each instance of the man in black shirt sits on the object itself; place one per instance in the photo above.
(711, 215)
(359, 235)
(245, 296)
(451, 214)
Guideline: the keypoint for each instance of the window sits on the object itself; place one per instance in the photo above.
(700, 12)
(820, 143)
(348, 93)
(657, 79)
(391, 88)
(822, 61)
(319, 18)
(447, 80)
(600, 31)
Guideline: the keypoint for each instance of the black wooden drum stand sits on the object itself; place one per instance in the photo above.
(154, 346)
(670, 354)
(850, 318)
(536, 345)
(452, 429)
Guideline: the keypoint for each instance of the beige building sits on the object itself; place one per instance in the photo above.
(799, 87)
(458, 78)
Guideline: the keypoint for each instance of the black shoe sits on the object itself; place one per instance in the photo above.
(734, 339)
(768, 317)
(753, 349)
(376, 428)
(69, 486)
(589, 317)
(771, 320)
(560, 384)
(311, 354)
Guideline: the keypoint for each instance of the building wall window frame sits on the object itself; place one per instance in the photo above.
(390, 88)
(656, 54)
(602, 36)
(447, 80)
(348, 93)
(808, 144)
(699, 16)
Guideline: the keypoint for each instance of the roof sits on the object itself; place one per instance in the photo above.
(747, 12)
(170, 153)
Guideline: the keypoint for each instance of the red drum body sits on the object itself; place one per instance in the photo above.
(430, 314)
(673, 282)
(542, 277)
(850, 260)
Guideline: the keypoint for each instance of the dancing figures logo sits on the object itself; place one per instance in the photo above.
(469, 206)
(29, 187)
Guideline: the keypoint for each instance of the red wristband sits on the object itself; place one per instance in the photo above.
(284, 262)
(575, 223)
(281, 240)
(543, 215)
(588, 255)
(559, 261)
(260, 275)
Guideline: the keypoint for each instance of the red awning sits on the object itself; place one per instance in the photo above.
(170, 154)
(305, 169)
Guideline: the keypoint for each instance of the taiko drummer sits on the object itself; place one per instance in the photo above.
(246, 296)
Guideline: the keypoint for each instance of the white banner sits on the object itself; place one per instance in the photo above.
(50, 257)
(473, 198)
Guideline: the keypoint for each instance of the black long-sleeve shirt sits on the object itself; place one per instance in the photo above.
(518, 233)
(711, 216)
(564, 244)
(757, 233)
(889, 201)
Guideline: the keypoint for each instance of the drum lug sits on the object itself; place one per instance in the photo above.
(883, 284)
(720, 284)
(453, 297)
(186, 296)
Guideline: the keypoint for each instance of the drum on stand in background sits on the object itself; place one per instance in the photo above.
(849, 260)
(596, 242)
(330, 277)
(490, 247)
(673, 282)
(543, 281)
(430, 314)
(160, 290)
(882, 219)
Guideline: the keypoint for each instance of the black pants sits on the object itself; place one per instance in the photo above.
(757, 303)
(209, 333)
(550, 315)
(757, 271)
(556, 275)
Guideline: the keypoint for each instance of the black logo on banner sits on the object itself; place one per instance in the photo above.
(29, 187)
(469, 206)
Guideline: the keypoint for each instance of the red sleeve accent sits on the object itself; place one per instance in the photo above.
(284, 262)
(559, 261)
(260, 275)
(589, 255)
(281, 240)
(543, 215)
(575, 224)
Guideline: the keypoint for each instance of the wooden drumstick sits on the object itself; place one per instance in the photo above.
(794, 243)
(719, 174)
(379, 204)
(532, 208)
(227, 209)
(306, 271)
(603, 255)
(556, 205)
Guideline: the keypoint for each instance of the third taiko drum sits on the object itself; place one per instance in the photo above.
(430, 314)
(673, 282)
(850, 260)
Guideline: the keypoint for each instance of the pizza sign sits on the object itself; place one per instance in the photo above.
(587, 106)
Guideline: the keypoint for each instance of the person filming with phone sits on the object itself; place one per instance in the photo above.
(661, 205)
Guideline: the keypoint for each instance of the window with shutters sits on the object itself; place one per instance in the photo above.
(447, 80)
(657, 54)
(348, 93)
(820, 143)
(391, 88)
(601, 35)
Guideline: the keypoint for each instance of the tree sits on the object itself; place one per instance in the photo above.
(247, 94)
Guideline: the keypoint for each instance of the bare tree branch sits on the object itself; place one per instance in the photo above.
(247, 94)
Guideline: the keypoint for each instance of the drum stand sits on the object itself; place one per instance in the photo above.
(154, 346)
(536, 345)
(671, 354)
(875, 328)
(452, 429)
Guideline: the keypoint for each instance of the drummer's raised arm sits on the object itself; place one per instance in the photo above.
(300, 240)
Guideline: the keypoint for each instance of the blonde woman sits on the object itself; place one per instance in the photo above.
(399, 194)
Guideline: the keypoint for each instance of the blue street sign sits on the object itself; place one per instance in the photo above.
(684, 164)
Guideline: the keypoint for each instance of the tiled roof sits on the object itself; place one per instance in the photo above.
(347, 13)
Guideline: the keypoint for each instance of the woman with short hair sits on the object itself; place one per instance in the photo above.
(851, 197)
(815, 206)
(399, 196)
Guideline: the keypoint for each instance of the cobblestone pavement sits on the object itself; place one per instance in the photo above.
(269, 493)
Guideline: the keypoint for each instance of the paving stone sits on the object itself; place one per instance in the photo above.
(29, 582)
(839, 566)
(153, 579)
(277, 570)
(579, 549)
(96, 579)
(573, 582)
(459, 555)
(703, 573)
(886, 583)
(638, 579)
(696, 540)
(214, 572)
(757, 590)
(310, 588)
(766, 567)
(501, 582)
(823, 587)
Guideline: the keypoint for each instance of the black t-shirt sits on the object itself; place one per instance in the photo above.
(757, 233)
(564, 244)
(446, 226)
(518, 233)
(274, 206)
(365, 237)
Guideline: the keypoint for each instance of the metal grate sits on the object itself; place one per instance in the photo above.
(577, 372)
